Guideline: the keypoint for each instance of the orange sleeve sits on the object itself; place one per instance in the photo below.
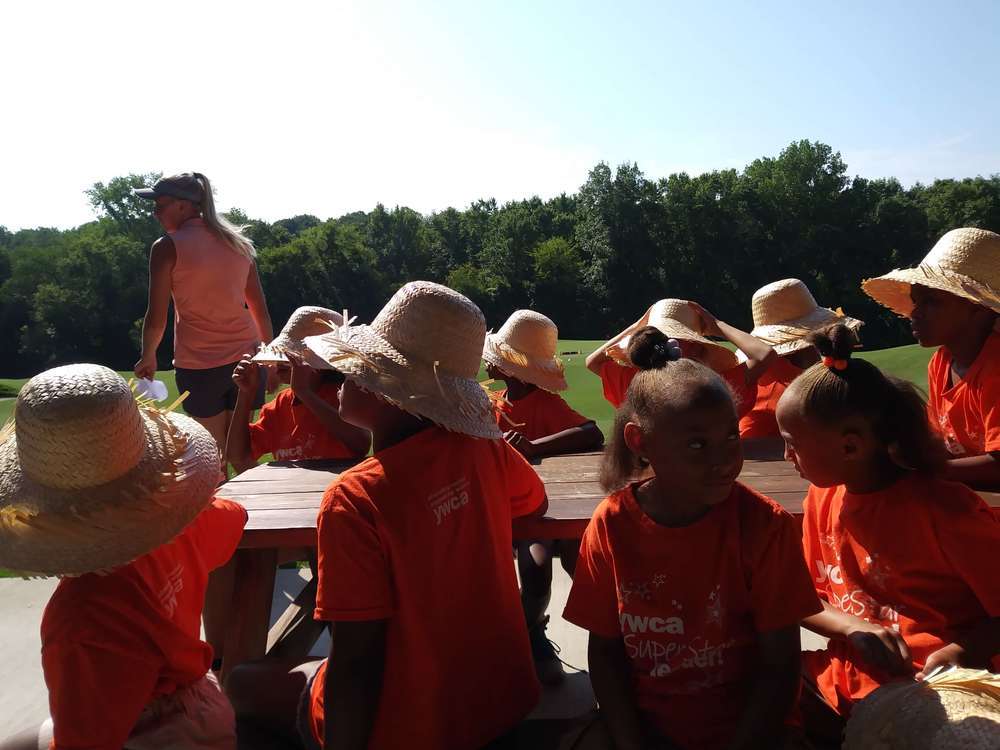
(615, 379)
(744, 395)
(263, 431)
(95, 693)
(933, 392)
(593, 599)
(524, 488)
(355, 581)
(969, 536)
(811, 550)
(217, 531)
(989, 400)
(781, 590)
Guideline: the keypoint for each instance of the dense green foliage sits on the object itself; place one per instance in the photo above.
(592, 261)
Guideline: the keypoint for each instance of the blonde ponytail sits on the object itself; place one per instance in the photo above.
(231, 233)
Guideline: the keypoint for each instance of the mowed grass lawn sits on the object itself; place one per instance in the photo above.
(584, 392)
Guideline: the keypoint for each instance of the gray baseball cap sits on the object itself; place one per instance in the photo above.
(185, 186)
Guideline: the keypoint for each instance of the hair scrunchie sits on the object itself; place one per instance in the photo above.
(835, 364)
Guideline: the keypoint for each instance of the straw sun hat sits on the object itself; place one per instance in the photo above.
(956, 708)
(964, 262)
(785, 312)
(91, 479)
(678, 320)
(421, 353)
(305, 321)
(525, 348)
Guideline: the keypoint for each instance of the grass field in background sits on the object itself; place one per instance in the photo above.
(584, 393)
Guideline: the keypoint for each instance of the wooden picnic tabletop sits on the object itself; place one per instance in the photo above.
(283, 498)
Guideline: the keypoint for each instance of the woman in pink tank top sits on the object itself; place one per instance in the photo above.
(208, 268)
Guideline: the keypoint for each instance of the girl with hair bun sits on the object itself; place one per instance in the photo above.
(692, 585)
(903, 561)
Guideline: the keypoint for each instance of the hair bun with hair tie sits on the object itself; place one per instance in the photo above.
(835, 364)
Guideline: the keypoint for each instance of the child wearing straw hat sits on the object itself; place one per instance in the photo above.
(303, 422)
(903, 560)
(115, 496)
(784, 314)
(690, 324)
(537, 421)
(429, 648)
(953, 302)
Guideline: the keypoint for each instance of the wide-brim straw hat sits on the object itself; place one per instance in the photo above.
(956, 708)
(525, 348)
(422, 353)
(676, 319)
(785, 312)
(91, 479)
(964, 262)
(305, 321)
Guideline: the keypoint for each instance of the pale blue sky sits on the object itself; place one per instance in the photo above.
(330, 107)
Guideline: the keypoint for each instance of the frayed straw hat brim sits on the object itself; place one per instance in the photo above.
(790, 336)
(547, 374)
(48, 531)
(893, 289)
(455, 403)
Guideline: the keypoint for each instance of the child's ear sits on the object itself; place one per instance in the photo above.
(633, 438)
(852, 446)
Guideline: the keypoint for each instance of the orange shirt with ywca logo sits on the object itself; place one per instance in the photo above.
(419, 535)
(967, 413)
(289, 430)
(112, 643)
(689, 603)
(918, 557)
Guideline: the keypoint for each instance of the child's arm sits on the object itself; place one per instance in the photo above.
(775, 689)
(584, 437)
(600, 355)
(975, 648)
(760, 356)
(304, 382)
(353, 683)
(976, 471)
(878, 646)
(611, 677)
(247, 379)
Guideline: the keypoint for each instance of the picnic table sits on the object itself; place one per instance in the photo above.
(282, 500)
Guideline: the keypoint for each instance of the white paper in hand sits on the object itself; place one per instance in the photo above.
(154, 389)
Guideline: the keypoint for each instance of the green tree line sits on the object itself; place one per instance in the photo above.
(592, 261)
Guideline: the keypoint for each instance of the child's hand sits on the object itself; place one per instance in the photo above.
(709, 323)
(146, 366)
(951, 655)
(518, 441)
(247, 375)
(882, 648)
(304, 379)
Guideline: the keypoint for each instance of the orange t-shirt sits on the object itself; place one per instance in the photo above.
(967, 413)
(918, 557)
(689, 603)
(420, 535)
(537, 415)
(113, 643)
(760, 421)
(288, 429)
(616, 379)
